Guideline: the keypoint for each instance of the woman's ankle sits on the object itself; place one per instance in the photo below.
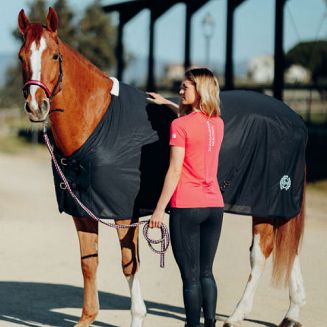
(209, 322)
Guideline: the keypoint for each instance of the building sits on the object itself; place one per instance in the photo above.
(297, 74)
(261, 69)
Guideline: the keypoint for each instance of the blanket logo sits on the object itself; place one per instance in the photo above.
(285, 183)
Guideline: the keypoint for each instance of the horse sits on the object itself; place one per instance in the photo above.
(63, 87)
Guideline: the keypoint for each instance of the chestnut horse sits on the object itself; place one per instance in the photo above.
(85, 93)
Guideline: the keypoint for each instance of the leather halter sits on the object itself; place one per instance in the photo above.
(48, 93)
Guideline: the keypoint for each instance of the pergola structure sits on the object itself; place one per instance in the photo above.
(128, 10)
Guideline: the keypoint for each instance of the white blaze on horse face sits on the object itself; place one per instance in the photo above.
(36, 60)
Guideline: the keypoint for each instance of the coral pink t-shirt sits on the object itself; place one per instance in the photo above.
(201, 136)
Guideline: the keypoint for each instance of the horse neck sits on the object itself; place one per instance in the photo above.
(84, 97)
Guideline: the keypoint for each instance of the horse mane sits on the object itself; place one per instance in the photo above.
(82, 59)
(37, 29)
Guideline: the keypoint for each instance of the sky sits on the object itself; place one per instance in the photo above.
(254, 28)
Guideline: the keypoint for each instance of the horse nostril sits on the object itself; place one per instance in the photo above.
(44, 105)
(27, 107)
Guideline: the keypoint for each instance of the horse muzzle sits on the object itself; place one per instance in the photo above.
(37, 112)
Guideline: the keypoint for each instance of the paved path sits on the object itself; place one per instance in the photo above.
(40, 279)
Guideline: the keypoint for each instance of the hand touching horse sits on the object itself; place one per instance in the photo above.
(62, 86)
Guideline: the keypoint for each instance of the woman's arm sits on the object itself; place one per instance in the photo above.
(159, 99)
(171, 181)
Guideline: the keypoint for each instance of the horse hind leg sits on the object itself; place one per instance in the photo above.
(261, 248)
(286, 265)
(87, 231)
(128, 238)
(297, 296)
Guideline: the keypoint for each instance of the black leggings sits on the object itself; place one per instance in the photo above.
(195, 235)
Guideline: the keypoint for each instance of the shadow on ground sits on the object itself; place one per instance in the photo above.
(35, 304)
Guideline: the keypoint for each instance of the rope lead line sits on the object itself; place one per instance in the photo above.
(164, 240)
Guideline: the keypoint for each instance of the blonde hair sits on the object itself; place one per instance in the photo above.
(207, 87)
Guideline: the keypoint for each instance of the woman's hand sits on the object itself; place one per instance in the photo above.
(159, 99)
(156, 98)
(156, 219)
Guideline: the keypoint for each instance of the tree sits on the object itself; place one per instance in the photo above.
(97, 35)
(10, 93)
(67, 30)
(311, 55)
(36, 13)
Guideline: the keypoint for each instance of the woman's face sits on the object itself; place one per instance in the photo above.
(188, 94)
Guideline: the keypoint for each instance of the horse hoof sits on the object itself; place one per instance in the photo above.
(231, 324)
(137, 321)
(83, 324)
(287, 322)
(86, 320)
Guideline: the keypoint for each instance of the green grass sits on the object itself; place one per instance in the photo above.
(315, 117)
(14, 144)
(11, 121)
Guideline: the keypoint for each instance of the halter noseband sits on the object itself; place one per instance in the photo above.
(49, 94)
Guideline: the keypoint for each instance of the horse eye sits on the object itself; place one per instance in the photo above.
(55, 56)
(25, 92)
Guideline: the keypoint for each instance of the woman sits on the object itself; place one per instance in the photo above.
(191, 187)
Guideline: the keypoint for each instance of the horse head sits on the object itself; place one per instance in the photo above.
(41, 64)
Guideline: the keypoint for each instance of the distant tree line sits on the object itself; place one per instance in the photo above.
(93, 35)
(313, 56)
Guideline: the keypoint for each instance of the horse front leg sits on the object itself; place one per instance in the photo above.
(297, 296)
(261, 248)
(128, 238)
(87, 230)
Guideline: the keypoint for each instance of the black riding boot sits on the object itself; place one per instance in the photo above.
(209, 323)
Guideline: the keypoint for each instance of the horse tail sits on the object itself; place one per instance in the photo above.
(287, 241)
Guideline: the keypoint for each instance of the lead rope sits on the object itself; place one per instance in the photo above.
(164, 241)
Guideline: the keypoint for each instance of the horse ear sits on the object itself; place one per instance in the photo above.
(23, 22)
(52, 20)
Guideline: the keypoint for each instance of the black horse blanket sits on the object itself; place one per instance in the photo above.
(262, 160)
(119, 172)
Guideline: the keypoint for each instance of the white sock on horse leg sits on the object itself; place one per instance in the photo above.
(257, 260)
(297, 292)
(138, 308)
